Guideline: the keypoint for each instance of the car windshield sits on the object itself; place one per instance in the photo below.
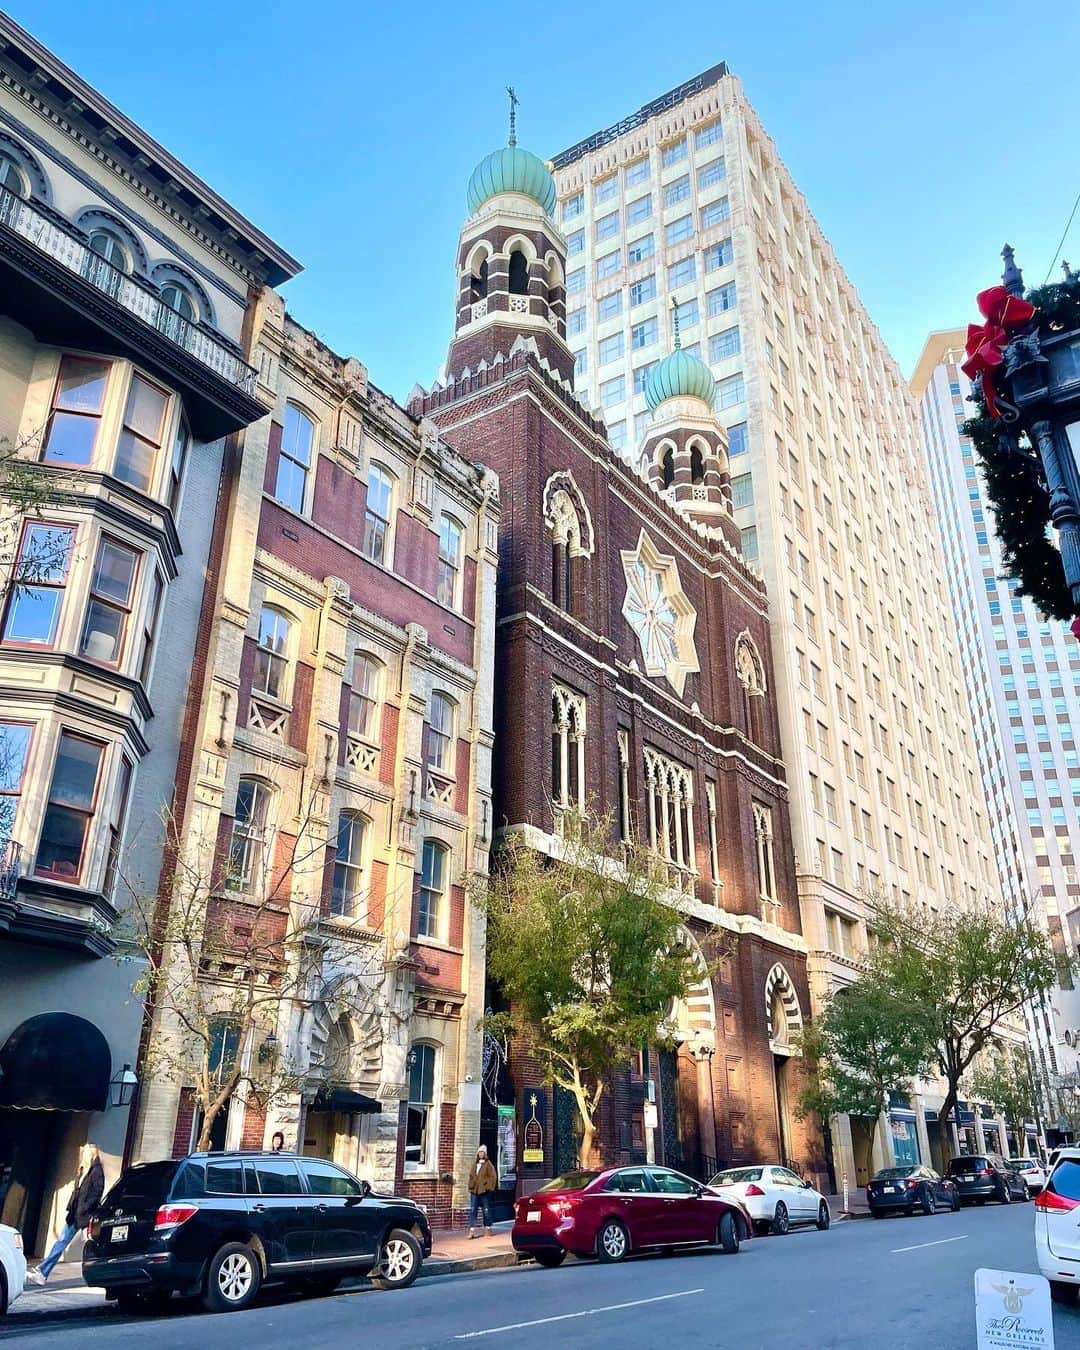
(891, 1173)
(734, 1175)
(1025, 1164)
(968, 1165)
(569, 1181)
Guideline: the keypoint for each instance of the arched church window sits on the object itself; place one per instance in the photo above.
(519, 273)
(667, 468)
(697, 465)
(480, 281)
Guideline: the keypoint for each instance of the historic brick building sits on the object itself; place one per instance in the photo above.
(633, 674)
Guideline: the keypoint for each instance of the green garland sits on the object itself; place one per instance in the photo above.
(1014, 478)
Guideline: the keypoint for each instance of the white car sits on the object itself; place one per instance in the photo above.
(12, 1266)
(1033, 1172)
(774, 1196)
(1057, 1227)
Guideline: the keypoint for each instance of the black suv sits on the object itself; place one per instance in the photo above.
(987, 1176)
(219, 1225)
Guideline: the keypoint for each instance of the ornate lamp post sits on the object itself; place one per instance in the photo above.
(1028, 356)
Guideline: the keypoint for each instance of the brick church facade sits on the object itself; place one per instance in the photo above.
(633, 678)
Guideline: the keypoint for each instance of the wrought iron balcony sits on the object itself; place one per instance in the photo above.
(65, 293)
(10, 862)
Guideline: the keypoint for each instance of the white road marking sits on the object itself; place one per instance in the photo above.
(563, 1317)
(940, 1243)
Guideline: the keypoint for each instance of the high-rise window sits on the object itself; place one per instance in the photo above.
(271, 654)
(432, 888)
(681, 273)
(677, 191)
(420, 1131)
(721, 300)
(640, 209)
(608, 306)
(112, 584)
(610, 348)
(679, 230)
(725, 344)
(713, 172)
(640, 249)
(440, 733)
(673, 154)
(575, 322)
(348, 866)
(607, 227)
(719, 255)
(70, 808)
(450, 534)
(637, 172)
(76, 411)
(141, 434)
(644, 334)
(39, 579)
(612, 391)
(294, 461)
(641, 375)
(709, 134)
(575, 281)
(715, 213)
(606, 188)
(377, 515)
(643, 290)
(248, 860)
(730, 392)
(575, 243)
(738, 439)
(573, 206)
(608, 265)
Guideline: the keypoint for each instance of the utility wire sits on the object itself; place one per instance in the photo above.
(1061, 241)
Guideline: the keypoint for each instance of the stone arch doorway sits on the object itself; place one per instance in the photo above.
(784, 1021)
(687, 1092)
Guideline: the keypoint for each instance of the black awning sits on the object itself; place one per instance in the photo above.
(55, 1062)
(342, 1099)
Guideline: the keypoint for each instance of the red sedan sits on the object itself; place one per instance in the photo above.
(621, 1210)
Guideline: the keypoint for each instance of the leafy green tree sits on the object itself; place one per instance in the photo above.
(1003, 1078)
(587, 956)
(969, 971)
(868, 1041)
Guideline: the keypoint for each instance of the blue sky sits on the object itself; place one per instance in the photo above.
(348, 132)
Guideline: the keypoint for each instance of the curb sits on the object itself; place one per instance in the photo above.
(17, 1319)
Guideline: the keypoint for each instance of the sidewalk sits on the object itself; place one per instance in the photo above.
(452, 1252)
(857, 1206)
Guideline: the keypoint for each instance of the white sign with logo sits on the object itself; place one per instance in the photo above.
(651, 1120)
(1013, 1309)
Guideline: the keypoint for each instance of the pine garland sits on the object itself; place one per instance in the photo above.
(1014, 479)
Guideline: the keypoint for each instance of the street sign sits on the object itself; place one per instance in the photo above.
(1013, 1308)
(650, 1116)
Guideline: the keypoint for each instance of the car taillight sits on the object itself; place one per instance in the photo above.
(17, 1240)
(95, 1229)
(754, 1190)
(911, 1183)
(1050, 1200)
(561, 1206)
(172, 1216)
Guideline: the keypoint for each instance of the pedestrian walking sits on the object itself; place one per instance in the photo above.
(277, 1142)
(482, 1181)
(85, 1197)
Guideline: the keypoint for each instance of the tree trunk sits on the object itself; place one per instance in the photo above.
(948, 1108)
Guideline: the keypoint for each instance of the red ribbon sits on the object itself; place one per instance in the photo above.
(1001, 311)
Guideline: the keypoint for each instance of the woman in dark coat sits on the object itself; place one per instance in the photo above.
(85, 1197)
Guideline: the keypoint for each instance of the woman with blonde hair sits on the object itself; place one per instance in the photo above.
(85, 1197)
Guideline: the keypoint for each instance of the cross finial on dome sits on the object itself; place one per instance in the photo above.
(675, 322)
(513, 115)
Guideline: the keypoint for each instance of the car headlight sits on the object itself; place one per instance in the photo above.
(421, 1208)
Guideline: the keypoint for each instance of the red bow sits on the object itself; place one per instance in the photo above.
(1001, 311)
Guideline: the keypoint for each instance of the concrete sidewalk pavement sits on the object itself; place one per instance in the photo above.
(452, 1251)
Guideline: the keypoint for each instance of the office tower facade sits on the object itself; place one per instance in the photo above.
(688, 201)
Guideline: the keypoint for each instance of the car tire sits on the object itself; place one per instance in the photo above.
(233, 1280)
(955, 1203)
(824, 1218)
(727, 1234)
(877, 1213)
(549, 1260)
(1006, 1195)
(1061, 1292)
(3, 1292)
(319, 1286)
(399, 1261)
(781, 1222)
(612, 1242)
(929, 1202)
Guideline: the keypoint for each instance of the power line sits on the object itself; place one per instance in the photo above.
(1061, 241)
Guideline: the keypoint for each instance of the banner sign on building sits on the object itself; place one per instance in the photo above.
(506, 1162)
(533, 1129)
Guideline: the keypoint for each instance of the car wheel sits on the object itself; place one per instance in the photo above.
(780, 1221)
(955, 1202)
(824, 1218)
(549, 1260)
(1061, 1292)
(1006, 1195)
(727, 1234)
(612, 1241)
(929, 1202)
(233, 1279)
(877, 1213)
(399, 1261)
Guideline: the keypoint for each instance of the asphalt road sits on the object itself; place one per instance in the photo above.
(901, 1283)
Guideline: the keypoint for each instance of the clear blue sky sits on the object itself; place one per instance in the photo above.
(348, 131)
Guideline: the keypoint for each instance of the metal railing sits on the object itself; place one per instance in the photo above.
(132, 294)
(10, 863)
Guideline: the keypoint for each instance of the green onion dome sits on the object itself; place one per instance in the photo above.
(679, 375)
(511, 169)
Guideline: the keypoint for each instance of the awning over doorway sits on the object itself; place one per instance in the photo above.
(342, 1099)
(55, 1062)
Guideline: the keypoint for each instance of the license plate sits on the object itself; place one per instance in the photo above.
(119, 1233)
(533, 1216)
(890, 1190)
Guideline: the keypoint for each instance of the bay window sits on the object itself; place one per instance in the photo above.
(70, 807)
(181, 441)
(111, 588)
(38, 581)
(78, 399)
(149, 629)
(141, 434)
(15, 740)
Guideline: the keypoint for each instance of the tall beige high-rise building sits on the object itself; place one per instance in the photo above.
(688, 201)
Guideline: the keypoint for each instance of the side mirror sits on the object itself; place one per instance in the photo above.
(365, 1189)
(807, 1186)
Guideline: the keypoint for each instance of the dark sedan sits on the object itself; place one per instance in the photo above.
(909, 1188)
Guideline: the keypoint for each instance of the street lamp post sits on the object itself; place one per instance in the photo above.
(1039, 383)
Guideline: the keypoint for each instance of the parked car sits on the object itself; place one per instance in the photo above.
(987, 1176)
(620, 1210)
(220, 1225)
(1033, 1172)
(774, 1197)
(12, 1266)
(909, 1188)
(1057, 1226)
